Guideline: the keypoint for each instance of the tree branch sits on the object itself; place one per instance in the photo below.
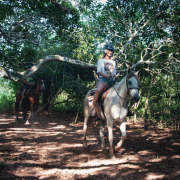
(18, 76)
(154, 52)
(5, 37)
(133, 35)
(60, 6)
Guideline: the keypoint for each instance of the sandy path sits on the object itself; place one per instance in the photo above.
(51, 148)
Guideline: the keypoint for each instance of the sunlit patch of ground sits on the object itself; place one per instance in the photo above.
(51, 148)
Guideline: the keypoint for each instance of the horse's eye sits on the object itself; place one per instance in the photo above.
(129, 82)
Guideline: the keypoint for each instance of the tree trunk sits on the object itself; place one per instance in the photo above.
(145, 113)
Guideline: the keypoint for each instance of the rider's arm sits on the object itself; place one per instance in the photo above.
(103, 74)
(114, 71)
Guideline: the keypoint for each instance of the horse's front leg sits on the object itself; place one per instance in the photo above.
(123, 135)
(17, 109)
(27, 121)
(17, 113)
(32, 112)
(101, 133)
(30, 115)
(110, 136)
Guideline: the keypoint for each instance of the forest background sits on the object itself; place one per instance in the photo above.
(62, 41)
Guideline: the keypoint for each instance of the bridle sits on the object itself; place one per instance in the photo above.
(127, 80)
(128, 88)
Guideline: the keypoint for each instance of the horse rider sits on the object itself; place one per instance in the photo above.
(28, 83)
(106, 69)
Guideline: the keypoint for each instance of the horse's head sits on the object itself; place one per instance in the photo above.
(133, 85)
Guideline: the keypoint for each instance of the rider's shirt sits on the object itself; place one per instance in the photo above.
(106, 66)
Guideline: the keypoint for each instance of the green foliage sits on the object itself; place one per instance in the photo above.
(33, 29)
(74, 91)
(28, 26)
(164, 99)
(7, 96)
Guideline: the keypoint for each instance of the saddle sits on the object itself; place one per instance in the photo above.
(102, 97)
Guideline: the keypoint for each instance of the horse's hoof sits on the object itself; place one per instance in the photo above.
(27, 123)
(85, 146)
(113, 157)
(117, 149)
(124, 137)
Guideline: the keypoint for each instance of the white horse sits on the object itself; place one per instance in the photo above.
(114, 109)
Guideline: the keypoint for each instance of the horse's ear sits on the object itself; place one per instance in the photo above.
(138, 73)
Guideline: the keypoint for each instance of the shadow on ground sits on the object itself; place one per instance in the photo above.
(51, 148)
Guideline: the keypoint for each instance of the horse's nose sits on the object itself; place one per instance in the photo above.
(136, 98)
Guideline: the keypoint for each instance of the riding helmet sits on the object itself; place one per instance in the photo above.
(109, 47)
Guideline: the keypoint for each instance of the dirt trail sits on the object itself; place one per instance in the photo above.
(51, 148)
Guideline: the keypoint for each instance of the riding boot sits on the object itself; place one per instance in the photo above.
(130, 113)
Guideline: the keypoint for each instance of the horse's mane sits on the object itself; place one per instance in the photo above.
(132, 74)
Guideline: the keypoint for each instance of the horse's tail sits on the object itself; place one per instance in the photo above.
(87, 106)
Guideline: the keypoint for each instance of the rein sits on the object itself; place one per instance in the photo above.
(127, 87)
(119, 95)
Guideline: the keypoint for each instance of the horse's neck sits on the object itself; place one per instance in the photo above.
(37, 90)
(121, 88)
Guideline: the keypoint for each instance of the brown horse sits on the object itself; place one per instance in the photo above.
(30, 101)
